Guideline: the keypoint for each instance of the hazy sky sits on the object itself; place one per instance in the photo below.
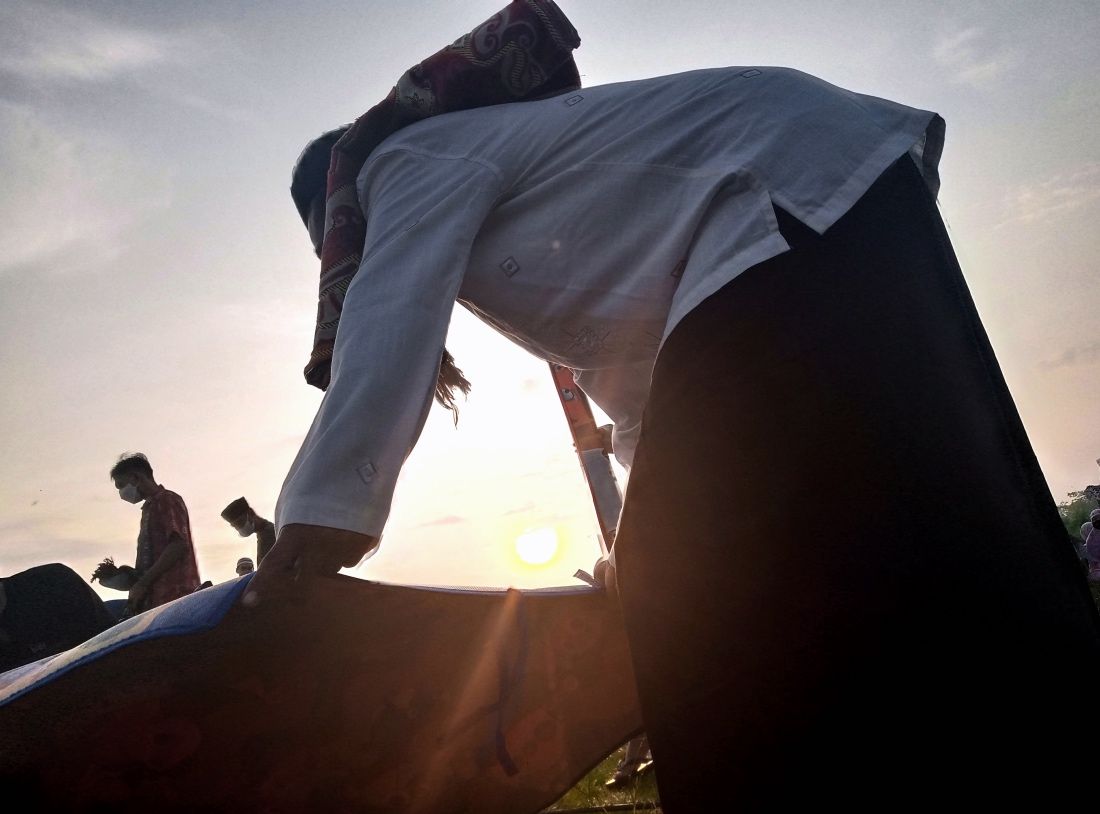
(157, 288)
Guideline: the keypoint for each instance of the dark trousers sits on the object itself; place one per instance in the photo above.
(843, 575)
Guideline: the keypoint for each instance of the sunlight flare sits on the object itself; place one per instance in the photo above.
(538, 546)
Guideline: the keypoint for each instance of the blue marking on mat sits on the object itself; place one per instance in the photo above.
(194, 613)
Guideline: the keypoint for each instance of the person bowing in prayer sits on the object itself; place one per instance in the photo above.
(746, 269)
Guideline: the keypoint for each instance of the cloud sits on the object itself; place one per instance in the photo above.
(1075, 356)
(49, 44)
(222, 111)
(1057, 195)
(46, 47)
(970, 58)
(448, 520)
(31, 539)
(67, 200)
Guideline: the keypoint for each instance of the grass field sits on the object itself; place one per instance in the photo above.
(591, 793)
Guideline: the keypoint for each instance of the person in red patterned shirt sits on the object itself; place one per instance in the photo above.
(165, 554)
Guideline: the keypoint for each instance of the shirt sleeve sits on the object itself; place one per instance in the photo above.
(423, 214)
(168, 517)
(1092, 545)
(621, 392)
(265, 541)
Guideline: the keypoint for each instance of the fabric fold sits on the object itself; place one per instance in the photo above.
(521, 53)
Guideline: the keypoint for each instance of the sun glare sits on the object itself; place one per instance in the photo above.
(538, 546)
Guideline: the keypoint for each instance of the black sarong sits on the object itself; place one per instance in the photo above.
(843, 575)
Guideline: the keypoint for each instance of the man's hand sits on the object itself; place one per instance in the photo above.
(605, 432)
(137, 593)
(302, 550)
(117, 578)
(604, 572)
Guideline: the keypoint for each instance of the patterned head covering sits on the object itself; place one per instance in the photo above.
(523, 52)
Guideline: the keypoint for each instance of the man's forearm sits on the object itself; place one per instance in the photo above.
(175, 551)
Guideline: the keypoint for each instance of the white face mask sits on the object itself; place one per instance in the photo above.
(130, 493)
(246, 529)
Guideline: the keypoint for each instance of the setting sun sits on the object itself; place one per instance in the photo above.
(538, 546)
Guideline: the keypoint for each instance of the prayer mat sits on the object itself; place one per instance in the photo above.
(341, 695)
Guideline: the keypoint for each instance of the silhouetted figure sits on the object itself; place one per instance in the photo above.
(746, 269)
(46, 610)
(165, 567)
(246, 522)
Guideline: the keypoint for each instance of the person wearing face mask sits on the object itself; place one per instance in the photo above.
(165, 566)
(246, 522)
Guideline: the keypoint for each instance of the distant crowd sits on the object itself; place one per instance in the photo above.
(50, 608)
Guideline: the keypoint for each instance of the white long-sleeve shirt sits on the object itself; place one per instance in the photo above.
(584, 227)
